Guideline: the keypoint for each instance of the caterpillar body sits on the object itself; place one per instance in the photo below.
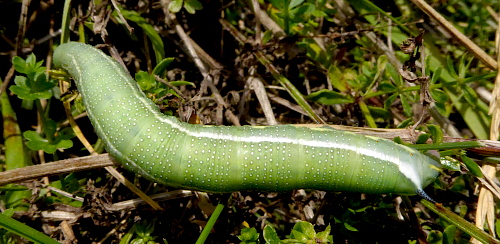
(228, 158)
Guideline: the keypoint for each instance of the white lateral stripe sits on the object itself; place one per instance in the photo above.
(406, 168)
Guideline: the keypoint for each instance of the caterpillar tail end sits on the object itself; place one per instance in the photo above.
(424, 195)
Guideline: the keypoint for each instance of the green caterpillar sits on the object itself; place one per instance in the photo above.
(227, 159)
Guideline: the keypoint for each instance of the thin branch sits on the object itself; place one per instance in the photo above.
(55, 168)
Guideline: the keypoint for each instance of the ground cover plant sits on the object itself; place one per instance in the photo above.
(397, 70)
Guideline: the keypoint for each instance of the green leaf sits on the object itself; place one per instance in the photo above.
(66, 133)
(24, 230)
(439, 95)
(379, 112)
(268, 35)
(349, 227)
(25, 93)
(19, 64)
(393, 73)
(319, 14)
(305, 228)
(79, 106)
(463, 67)
(405, 123)
(367, 68)
(31, 60)
(390, 100)
(472, 166)
(436, 133)
(248, 235)
(470, 95)
(449, 234)
(302, 12)
(387, 87)
(36, 142)
(159, 92)
(192, 5)
(29, 66)
(422, 138)
(145, 80)
(162, 66)
(324, 234)
(64, 144)
(381, 65)
(406, 106)
(270, 235)
(451, 67)
(328, 97)
(366, 113)
(182, 83)
(435, 236)
(175, 6)
(441, 108)
(476, 118)
(299, 236)
(337, 78)
(448, 145)
(436, 75)
(295, 3)
(41, 83)
(21, 81)
(49, 127)
(35, 85)
(450, 164)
